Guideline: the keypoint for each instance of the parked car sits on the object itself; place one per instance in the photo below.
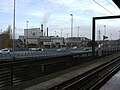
(32, 49)
(39, 49)
(61, 49)
(35, 49)
(9, 49)
(87, 49)
(4, 51)
(74, 47)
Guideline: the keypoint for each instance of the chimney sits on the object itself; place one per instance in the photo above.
(42, 29)
(47, 31)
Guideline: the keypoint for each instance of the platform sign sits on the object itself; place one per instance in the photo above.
(44, 39)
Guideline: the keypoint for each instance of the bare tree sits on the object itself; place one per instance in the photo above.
(6, 38)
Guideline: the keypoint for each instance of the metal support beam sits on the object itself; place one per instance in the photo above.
(93, 29)
(93, 36)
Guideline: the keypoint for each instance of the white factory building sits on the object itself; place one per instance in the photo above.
(34, 37)
(31, 36)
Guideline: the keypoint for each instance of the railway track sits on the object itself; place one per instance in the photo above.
(93, 79)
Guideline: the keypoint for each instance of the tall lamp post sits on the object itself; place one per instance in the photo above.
(27, 24)
(71, 28)
(27, 32)
(1, 38)
(78, 31)
(104, 36)
(105, 30)
(62, 39)
(55, 33)
(61, 32)
(14, 31)
(119, 37)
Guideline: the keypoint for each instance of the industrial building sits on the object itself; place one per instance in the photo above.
(34, 37)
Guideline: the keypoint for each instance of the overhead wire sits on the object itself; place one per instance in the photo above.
(110, 3)
(104, 7)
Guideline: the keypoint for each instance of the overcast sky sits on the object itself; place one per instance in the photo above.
(55, 14)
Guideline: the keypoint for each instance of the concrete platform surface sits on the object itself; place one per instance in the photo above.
(113, 83)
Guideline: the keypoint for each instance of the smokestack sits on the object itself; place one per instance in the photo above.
(42, 29)
(47, 31)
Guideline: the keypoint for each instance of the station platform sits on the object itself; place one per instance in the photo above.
(113, 83)
(48, 81)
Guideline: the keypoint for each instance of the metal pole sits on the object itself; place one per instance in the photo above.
(67, 34)
(27, 32)
(110, 39)
(78, 31)
(61, 32)
(55, 33)
(119, 37)
(93, 36)
(1, 38)
(104, 44)
(14, 31)
(119, 34)
(61, 37)
(71, 28)
(99, 35)
(104, 30)
(27, 24)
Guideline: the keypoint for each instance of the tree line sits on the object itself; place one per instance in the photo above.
(6, 38)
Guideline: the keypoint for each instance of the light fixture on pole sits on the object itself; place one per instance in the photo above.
(71, 28)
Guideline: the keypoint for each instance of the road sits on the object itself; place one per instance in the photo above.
(23, 54)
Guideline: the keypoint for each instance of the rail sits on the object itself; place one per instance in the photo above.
(93, 79)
